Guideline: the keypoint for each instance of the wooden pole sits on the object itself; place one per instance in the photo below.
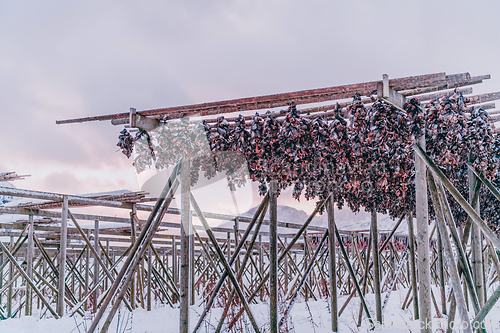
(62, 257)
(353, 276)
(476, 242)
(133, 282)
(261, 265)
(106, 282)
(442, 286)
(11, 278)
(303, 279)
(487, 232)
(413, 260)
(273, 264)
(376, 267)
(241, 269)
(87, 272)
(331, 264)
(192, 262)
(185, 228)
(227, 266)
(175, 265)
(29, 266)
(150, 268)
(260, 211)
(136, 251)
(423, 260)
(96, 264)
(450, 259)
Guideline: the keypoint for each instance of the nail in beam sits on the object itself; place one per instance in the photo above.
(62, 257)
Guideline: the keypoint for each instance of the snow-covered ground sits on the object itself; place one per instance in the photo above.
(313, 317)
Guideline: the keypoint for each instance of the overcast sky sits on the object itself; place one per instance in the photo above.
(68, 59)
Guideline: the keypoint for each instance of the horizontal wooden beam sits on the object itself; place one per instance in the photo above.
(440, 80)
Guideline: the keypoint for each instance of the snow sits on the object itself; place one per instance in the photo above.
(312, 316)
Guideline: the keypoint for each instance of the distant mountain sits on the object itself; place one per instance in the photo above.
(345, 219)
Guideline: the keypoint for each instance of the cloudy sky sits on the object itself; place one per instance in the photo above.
(61, 59)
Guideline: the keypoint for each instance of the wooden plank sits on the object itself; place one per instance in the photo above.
(278, 100)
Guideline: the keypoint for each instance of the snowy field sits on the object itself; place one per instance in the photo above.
(311, 317)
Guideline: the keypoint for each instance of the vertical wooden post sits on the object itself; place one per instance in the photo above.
(106, 281)
(332, 264)
(175, 266)
(192, 261)
(411, 247)
(87, 272)
(236, 226)
(376, 267)
(228, 248)
(261, 265)
(285, 269)
(62, 257)
(441, 273)
(184, 280)
(150, 269)
(476, 243)
(29, 266)
(11, 277)
(96, 265)
(423, 260)
(133, 280)
(450, 259)
(273, 267)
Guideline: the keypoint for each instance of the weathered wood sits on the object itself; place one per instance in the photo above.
(96, 264)
(32, 284)
(277, 100)
(184, 243)
(413, 260)
(226, 265)
(442, 282)
(450, 259)
(423, 259)
(273, 256)
(241, 270)
(458, 197)
(476, 241)
(137, 251)
(376, 267)
(464, 264)
(260, 211)
(353, 276)
(303, 279)
(29, 267)
(330, 209)
(150, 269)
(62, 258)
